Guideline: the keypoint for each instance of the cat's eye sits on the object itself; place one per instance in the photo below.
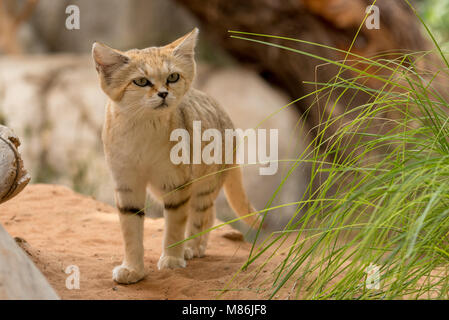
(142, 82)
(173, 78)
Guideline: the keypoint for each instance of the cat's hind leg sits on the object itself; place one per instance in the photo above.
(202, 217)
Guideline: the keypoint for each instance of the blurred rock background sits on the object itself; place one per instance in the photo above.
(50, 96)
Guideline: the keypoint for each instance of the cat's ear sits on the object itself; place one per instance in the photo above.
(107, 58)
(108, 63)
(185, 46)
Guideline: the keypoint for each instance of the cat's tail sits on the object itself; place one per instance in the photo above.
(237, 198)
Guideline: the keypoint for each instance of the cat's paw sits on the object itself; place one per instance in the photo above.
(189, 253)
(124, 275)
(167, 262)
(194, 251)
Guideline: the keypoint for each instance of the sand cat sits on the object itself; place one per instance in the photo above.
(150, 95)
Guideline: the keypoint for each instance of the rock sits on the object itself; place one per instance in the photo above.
(19, 278)
(56, 106)
(122, 24)
(13, 176)
(233, 235)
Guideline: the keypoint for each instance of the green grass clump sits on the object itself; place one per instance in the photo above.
(383, 188)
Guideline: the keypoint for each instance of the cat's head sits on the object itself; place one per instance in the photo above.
(154, 78)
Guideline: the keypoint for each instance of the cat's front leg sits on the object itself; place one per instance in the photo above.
(130, 203)
(176, 210)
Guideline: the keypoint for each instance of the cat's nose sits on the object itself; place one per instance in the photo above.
(163, 94)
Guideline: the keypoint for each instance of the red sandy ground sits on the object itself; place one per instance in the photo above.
(62, 228)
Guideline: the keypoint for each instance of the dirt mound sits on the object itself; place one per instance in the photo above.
(58, 228)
